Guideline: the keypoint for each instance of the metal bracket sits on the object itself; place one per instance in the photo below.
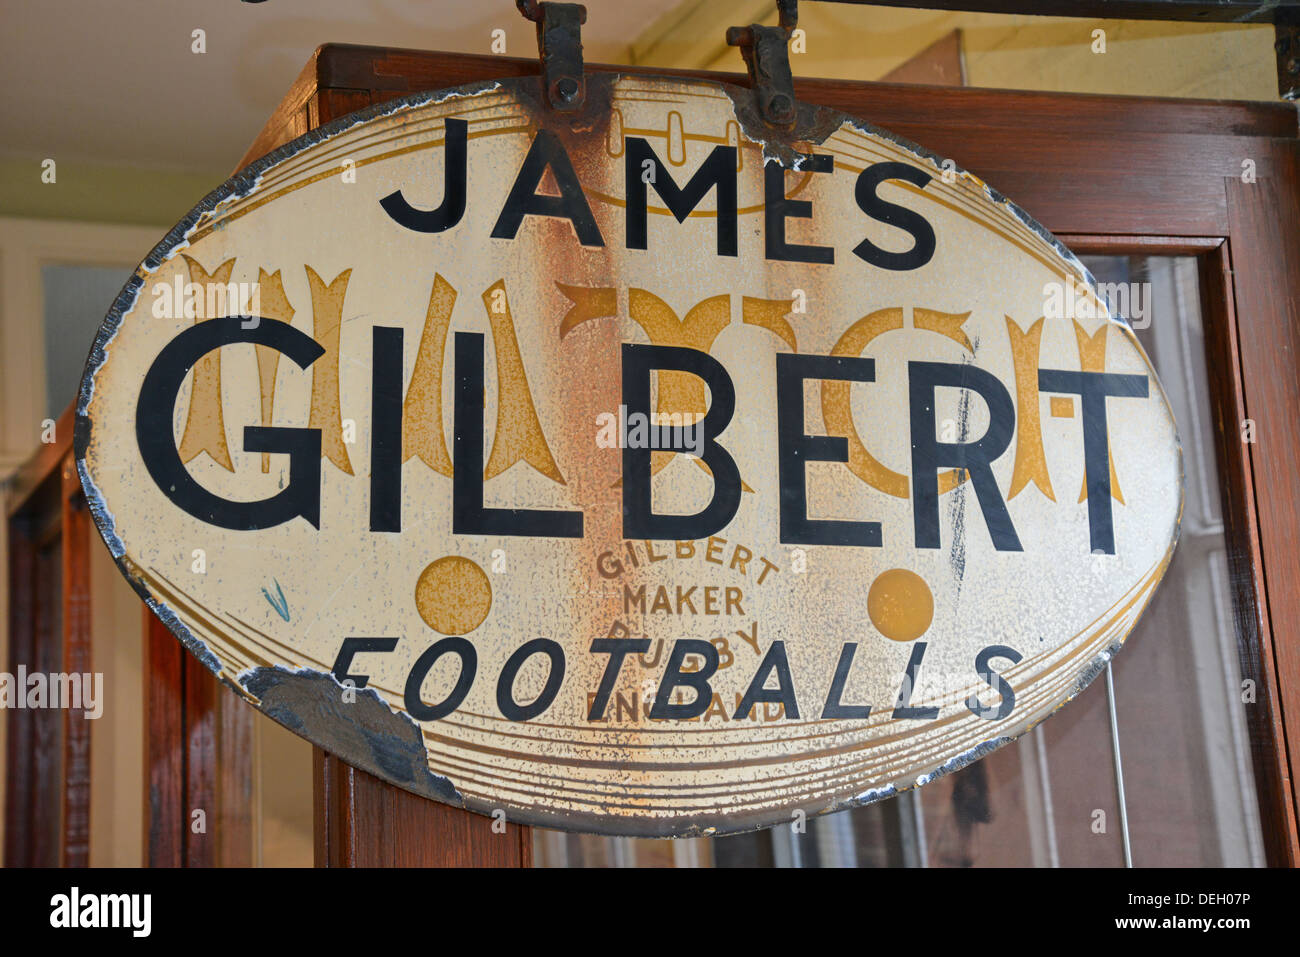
(559, 44)
(767, 56)
(1287, 32)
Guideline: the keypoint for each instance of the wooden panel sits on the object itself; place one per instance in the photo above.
(1265, 256)
(76, 661)
(164, 749)
(21, 729)
(46, 462)
(198, 757)
(200, 742)
(362, 821)
(1245, 564)
(1191, 11)
(234, 779)
(328, 105)
(289, 119)
(39, 802)
(44, 812)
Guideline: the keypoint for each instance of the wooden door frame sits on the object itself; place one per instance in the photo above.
(1124, 175)
(1255, 639)
(45, 500)
(199, 756)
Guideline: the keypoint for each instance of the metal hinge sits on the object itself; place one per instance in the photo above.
(559, 44)
(767, 56)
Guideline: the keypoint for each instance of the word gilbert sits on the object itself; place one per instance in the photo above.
(796, 448)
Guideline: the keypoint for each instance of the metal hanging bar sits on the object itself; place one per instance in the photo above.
(767, 56)
(559, 44)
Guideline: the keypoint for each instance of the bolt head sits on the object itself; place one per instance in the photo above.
(566, 89)
(780, 108)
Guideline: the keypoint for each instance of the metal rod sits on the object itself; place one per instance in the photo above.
(918, 824)
(785, 846)
(1119, 768)
(1045, 785)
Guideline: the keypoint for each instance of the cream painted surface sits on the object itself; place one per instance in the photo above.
(117, 774)
(1217, 61)
(283, 826)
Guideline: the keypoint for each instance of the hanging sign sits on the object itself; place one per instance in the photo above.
(632, 470)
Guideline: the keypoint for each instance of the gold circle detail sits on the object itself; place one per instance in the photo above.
(900, 604)
(453, 595)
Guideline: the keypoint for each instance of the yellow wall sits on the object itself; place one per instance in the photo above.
(283, 804)
(102, 193)
(1216, 61)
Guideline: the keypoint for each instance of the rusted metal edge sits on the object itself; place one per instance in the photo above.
(283, 693)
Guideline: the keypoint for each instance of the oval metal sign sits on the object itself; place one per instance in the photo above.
(641, 472)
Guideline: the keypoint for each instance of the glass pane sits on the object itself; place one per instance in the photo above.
(1051, 798)
(76, 300)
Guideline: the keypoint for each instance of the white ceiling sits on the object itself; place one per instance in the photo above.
(115, 81)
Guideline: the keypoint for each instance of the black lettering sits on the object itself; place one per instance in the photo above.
(452, 209)
(903, 708)
(468, 514)
(994, 681)
(774, 661)
(1094, 388)
(833, 707)
(506, 703)
(455, 645)
(697, 681)
(524, 200)
(617, 649)
(777, 208)
(795, 449)
(639, 517)
(153, 428)
(719, 171)
(891, 214)
(350, 648)
(929, 454)
(386, 430)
